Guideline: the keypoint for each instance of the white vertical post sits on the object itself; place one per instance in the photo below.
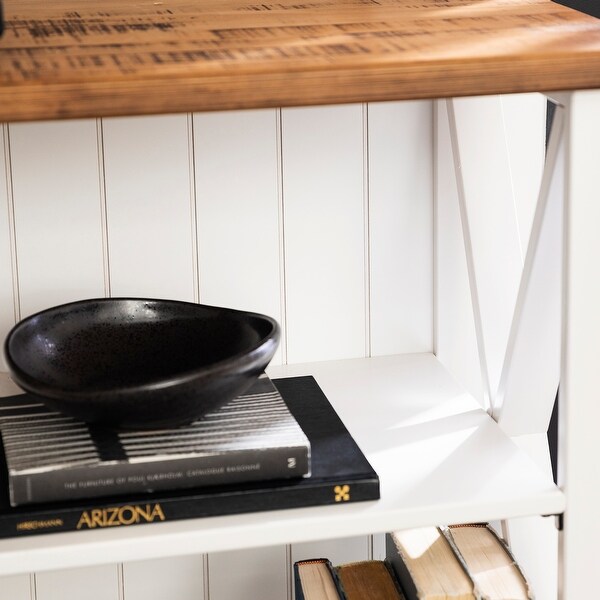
(579, 443)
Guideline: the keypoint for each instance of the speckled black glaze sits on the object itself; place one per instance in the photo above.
(133, 363)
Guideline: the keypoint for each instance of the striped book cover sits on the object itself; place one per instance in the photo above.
(53, 457)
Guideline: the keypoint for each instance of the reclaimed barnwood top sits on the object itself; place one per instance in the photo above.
(83, 58)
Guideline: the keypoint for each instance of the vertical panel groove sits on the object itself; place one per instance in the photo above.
(367, 226)
(282, 265)
(103, 209)
(33, 586)
(193, 208)
(120, 581)
(434, 228)
(290, 571)
(12, 224)
(206, 578)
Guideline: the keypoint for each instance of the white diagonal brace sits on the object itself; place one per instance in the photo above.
(490, 228)
(531, 370)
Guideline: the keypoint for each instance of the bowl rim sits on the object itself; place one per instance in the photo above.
(34, 386)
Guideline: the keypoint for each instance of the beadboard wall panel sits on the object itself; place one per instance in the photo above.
(16, 587)
(150, 206)
(180, 578)
(338, 551)
(171, 194)
(258, 574)
(7, 313)
(400, 178)
(237, 178)
(324, 225)
(92, 583)
(56, 191)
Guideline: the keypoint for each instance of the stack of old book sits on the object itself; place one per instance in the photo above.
(266, 449)
(463, 562)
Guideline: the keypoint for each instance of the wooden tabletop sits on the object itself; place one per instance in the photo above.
(83, 58)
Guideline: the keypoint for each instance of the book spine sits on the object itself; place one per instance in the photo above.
(141, 510)
(298, 591)
(335, 580)
(94, 481)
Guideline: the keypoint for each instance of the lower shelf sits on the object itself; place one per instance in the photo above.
(440, 458)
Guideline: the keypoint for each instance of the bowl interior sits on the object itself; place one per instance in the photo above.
(103, 344)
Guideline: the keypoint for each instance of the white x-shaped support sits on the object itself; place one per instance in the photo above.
(515, 294)
(535, 308)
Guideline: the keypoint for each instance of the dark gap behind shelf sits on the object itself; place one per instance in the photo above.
(553, 427)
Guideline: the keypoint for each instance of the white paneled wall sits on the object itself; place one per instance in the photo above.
(57, 212)
(259, 574)
(400, 233)
(7, 300)
(322, 217)
(150, 208)
(93, 583)
(17, 587)
(178, 578)
(324, 232)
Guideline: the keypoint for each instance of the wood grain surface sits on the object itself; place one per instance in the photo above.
(80, 58)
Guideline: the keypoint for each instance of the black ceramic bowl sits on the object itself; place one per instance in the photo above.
(132, 363)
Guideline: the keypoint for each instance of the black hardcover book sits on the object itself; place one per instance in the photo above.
(590, 7)
(340, 473)
(52, 457)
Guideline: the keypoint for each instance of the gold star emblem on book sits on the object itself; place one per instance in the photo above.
(342, 493)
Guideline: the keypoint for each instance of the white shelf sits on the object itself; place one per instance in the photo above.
(421, 432)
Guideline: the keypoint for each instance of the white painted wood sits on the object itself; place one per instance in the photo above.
(16, 587)
(236, 167)
(378, 546)
(418, 417)
(525, 130)
(401, 226)
(56, 188)
(531, 368)
(149, 196)
(181, 578)
(324, 232)
(338, 551)
(258, 574)
(534, 540)
(91, 583)
(579, 412)
(7, 300)
(455, 337)
(490, 228)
